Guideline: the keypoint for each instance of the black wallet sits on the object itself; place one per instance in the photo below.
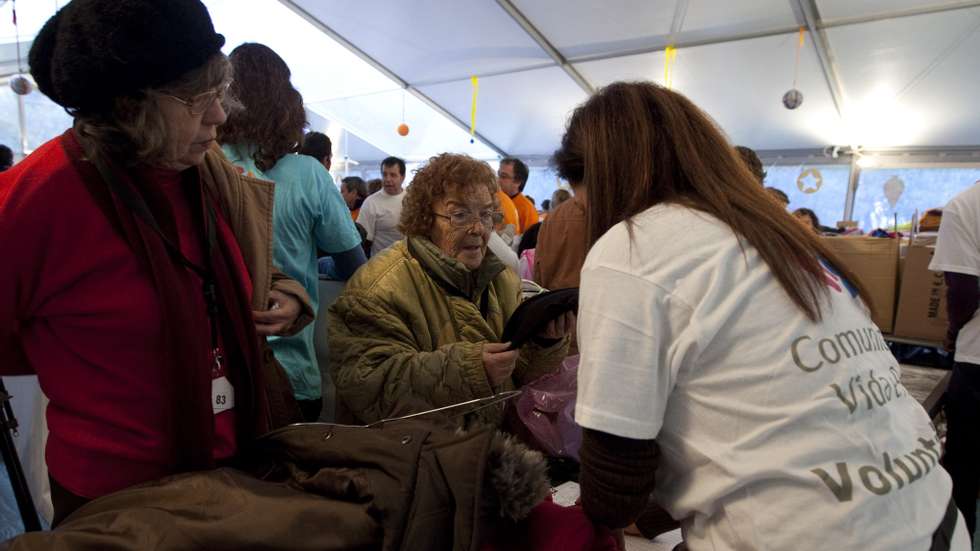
(533, 315)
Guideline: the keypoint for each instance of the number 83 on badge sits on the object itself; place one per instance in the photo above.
(222, 395)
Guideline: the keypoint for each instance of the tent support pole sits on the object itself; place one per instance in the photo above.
(545, 45)
(852, 186)
(844, 21)
(807, 11)
(22, 125)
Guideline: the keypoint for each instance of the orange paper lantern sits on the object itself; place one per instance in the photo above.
(403, 129)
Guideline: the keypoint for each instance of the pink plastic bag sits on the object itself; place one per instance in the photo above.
(526, 264)
(546, 408)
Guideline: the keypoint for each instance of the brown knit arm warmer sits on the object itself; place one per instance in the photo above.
(962, 299)
(654, 520)
(617, 476)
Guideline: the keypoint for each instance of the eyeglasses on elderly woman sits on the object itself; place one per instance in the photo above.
(199, 104)
(465, 218)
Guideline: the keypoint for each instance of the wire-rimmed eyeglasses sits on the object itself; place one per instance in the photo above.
(199, 104)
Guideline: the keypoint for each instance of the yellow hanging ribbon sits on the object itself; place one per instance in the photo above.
(799, 47)
(669, 55)
(476, 90)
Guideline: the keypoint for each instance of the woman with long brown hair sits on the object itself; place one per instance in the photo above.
(263, 140)
(726, 354)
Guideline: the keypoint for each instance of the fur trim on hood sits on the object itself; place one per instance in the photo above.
(516, 479)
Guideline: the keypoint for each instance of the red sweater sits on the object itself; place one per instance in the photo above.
(77, 309)
(551, 527)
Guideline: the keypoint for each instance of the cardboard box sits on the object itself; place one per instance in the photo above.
(921, 310)
(874, 262)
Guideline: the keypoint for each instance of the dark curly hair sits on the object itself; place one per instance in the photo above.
(273, 118)
(441, 175)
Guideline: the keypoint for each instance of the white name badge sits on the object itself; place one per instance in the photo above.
(222, 395)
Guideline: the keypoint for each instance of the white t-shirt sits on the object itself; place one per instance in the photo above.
(773, 435)
(379, 215)
(958, 250)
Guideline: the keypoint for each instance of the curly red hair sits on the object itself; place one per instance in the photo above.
(441, 175)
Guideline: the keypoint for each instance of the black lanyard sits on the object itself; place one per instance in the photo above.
(135, 202)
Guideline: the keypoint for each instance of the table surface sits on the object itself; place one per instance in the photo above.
(920, 342)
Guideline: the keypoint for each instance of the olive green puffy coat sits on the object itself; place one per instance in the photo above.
(407, 334)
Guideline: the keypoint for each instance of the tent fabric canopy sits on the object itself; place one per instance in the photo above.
(876, 73)
(900, 65)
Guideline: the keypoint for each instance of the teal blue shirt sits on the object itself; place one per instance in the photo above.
(308, 212)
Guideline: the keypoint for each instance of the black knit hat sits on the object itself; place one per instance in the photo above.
(93, 51)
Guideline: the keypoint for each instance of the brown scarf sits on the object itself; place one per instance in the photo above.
(187, 334)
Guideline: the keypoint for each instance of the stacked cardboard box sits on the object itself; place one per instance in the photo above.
(907, 299)
(922, 301)
(874, 262)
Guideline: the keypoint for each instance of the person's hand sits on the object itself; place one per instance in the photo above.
(498, 362)
(559, 327)
(949, 343)
(283, 311)
(632, 530)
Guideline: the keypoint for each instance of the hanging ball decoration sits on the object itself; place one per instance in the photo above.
(792, 99)
(21, 85)
(403, 129)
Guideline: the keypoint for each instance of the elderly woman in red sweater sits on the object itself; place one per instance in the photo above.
(137, 272)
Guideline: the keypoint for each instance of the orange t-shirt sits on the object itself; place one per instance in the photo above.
(509, 211)
(526, 211)
(354, 213)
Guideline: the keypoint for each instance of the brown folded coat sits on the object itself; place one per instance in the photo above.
(406, 485)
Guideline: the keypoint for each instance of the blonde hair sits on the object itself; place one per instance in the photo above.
(559, 197)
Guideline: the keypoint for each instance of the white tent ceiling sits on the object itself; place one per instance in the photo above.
(876, 73)
(900, 70)
(339, 86)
